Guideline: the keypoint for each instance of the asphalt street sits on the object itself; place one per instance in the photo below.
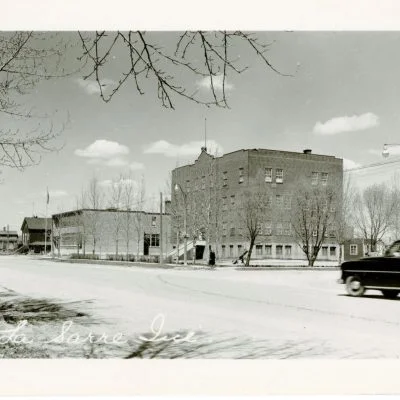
(271, 314)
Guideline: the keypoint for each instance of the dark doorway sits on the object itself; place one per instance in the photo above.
(146, 244)
(199, 252)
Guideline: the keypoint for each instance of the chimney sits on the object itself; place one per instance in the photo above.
(167, 206)
(307, 151)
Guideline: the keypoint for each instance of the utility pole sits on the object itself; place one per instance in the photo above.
(161, 228)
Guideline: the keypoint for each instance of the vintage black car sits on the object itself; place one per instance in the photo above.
(378, 273)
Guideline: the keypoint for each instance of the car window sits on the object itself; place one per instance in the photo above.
(393, 250)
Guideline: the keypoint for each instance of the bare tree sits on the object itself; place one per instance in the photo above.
(94, 201)
(115, 203)
(313, 213)
(252, 209)
(207, 56)
(26, 59)
(138, 217)
(343, 213)
(128, 201)
(374, 210)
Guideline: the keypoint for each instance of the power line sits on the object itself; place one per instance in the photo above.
(380, 164)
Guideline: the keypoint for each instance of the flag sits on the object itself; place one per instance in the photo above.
(47, 197)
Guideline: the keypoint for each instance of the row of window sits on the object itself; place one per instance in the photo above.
(267, 229)
(266, 250)
(316, 177)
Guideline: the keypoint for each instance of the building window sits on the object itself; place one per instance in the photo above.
(188, 186)
(153, 221)
(233, 200)
(231, 250)
(259, 250)
(279, 201)
(223, 228)
(288, 250)
(279, 250)
(324, 178)
(287, 202)
(155, 240)
(241, 176)
(268, 174)
(268, 201)
(203, 182)
(314, 233)
(332, 251)
(324, 251)
(232, 231)
(225, 178)
(314, 178)
(268, 228)
(279, 175)
(287, 228)
(268, 250)
(240, 249)
(353, 249)
(279, 228)
(223, 251)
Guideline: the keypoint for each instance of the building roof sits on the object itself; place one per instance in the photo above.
(8, 233)
(36, 223)
(81, 210)
(307, 154)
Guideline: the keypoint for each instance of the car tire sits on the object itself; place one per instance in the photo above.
(390, 294)
(354, 286)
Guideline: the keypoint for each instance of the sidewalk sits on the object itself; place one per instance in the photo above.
(258, 265)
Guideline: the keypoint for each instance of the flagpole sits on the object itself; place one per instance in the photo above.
(45, 223)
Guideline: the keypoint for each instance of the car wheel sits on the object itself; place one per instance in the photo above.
(354, 286)
(390, 294)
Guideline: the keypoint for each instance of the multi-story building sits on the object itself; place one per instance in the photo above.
(111, 232)
(212, 189)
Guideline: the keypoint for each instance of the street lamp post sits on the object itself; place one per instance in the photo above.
(385, 150)
(184, 195)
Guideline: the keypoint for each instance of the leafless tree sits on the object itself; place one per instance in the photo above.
(26, 59)
(313, 215)
(253, 210)
(138, 216)
(128, 201)
(94, 200)
(199, 55)
(374, 210)
(116, 192)
(343, 213)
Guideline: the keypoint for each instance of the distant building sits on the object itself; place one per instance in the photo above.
(356, 248)
(33, 234)
(227, 178)
(8, 240)
(110, 233)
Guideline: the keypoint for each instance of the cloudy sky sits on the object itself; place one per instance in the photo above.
(341, 99)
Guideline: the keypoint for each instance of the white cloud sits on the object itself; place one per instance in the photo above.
(186, 149)
(105, 152)
(102, 148)
(347, 124)
(92, 87)
(134, 166)
(350, 164)
(218, 83)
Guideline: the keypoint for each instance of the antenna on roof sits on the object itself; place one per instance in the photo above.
(204, 148)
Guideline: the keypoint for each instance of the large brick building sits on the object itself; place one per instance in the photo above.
(211, 189)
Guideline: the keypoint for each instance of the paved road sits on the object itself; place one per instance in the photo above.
(275, 314)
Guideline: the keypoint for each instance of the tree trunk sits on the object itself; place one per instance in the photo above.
(249, 253)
